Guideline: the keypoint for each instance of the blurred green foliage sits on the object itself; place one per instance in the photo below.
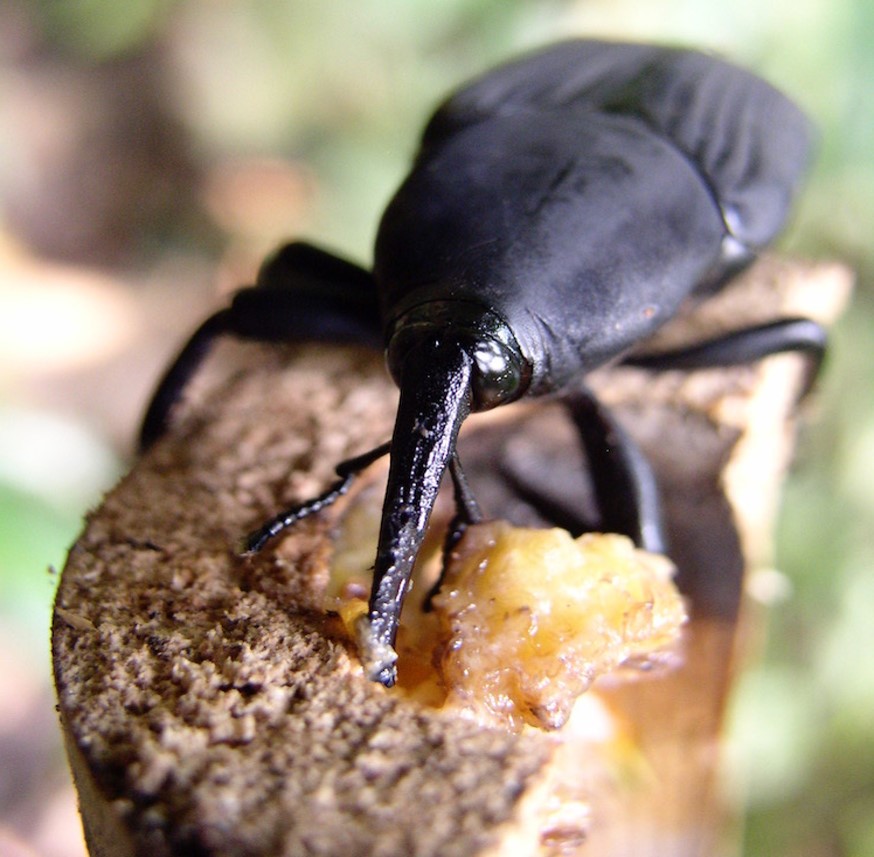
(344, 88)
(50, 471)
(98, 30)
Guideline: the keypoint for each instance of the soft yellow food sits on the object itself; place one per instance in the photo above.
(525, 621)
(531, 617)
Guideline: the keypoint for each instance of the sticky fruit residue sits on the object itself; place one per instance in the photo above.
(525, 621)
(530, 618)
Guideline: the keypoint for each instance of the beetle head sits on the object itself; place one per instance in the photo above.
(499, 372)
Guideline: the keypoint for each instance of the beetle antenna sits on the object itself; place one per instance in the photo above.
(435, 400)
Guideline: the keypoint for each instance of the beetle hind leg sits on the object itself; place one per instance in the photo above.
(745, 346)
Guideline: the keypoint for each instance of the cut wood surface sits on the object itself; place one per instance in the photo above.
(211, 707)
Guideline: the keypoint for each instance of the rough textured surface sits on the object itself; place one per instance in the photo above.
(211, 708)
(208, 694)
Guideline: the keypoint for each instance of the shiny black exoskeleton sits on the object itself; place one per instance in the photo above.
(560, 209)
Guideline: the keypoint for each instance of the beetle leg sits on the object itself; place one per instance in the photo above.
(177, 376)
(467, 512)
(301, 294)
(623, 481)
(745, 346)
(347, 471)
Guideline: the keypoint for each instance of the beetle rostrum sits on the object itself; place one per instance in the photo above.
(558, 212)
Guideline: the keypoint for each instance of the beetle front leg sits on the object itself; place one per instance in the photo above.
(467, 510)
(467, 513)
(347, 471)
(624, 483)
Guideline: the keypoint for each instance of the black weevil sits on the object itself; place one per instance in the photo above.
(559, 211)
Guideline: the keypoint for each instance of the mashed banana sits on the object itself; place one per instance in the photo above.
(532, 617)
(526, 620)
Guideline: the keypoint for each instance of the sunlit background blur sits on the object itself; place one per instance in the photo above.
(151, 151)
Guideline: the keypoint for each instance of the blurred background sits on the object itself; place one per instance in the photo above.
(153, 150)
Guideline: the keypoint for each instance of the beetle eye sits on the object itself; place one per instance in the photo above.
(497, 377)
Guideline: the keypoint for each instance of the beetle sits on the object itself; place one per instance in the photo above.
(558, 212)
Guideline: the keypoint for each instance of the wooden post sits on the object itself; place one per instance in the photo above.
(210, 707)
